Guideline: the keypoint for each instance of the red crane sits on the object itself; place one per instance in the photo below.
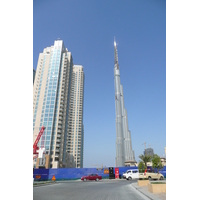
(35, 147)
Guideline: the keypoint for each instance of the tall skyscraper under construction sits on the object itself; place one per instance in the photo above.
(58, 92)
(124, 151)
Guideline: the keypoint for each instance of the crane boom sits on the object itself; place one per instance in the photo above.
(35, 147)
(144, 145)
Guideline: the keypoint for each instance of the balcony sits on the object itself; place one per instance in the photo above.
(59, 131)
(60, 118)
(59, 122)
(58, 150)
(60, 127)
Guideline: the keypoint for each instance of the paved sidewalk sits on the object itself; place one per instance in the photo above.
(152, 196)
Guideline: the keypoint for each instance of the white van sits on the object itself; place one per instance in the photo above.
(131, 174)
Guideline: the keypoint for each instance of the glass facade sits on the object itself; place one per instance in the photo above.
(51, 97)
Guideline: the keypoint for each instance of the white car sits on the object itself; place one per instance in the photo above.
(131, 174)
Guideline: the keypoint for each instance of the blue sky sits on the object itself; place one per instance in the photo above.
(88, 29)
(141, 48)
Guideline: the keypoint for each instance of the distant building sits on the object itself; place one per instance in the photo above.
(131, 163)
(163, 161)
(149, 151)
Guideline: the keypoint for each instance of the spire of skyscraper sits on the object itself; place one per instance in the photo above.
(116, 54)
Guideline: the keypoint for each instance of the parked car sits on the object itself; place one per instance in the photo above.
(91, 177)
(151, 175)
(131, 174)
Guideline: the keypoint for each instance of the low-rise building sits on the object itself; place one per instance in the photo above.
(131, 164)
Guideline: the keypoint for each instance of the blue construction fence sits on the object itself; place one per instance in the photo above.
(77, 173)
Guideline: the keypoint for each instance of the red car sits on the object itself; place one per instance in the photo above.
(95, 177)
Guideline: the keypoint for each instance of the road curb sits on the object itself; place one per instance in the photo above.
(43, 184)
(150, 196)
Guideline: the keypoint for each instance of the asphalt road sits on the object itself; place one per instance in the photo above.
(89, 190)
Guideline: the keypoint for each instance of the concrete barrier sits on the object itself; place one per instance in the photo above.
(157, 188)
(143, 182)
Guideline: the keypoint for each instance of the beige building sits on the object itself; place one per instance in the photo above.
(130, 164)
(162, 159)
(75, 135)
(54, 104)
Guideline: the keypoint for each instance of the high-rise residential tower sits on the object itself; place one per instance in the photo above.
(53, 104)
(124, 151)
(75, 135)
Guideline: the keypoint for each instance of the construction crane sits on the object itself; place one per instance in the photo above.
(144, 145)
(35, 156)
(35, 147)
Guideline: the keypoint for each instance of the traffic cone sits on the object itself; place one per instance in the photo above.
(53, 178)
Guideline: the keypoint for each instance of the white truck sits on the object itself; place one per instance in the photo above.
(131, 174)
(151, 175)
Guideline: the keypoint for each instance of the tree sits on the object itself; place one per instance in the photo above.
(156, 162)
(141, 167)
(145, 159)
